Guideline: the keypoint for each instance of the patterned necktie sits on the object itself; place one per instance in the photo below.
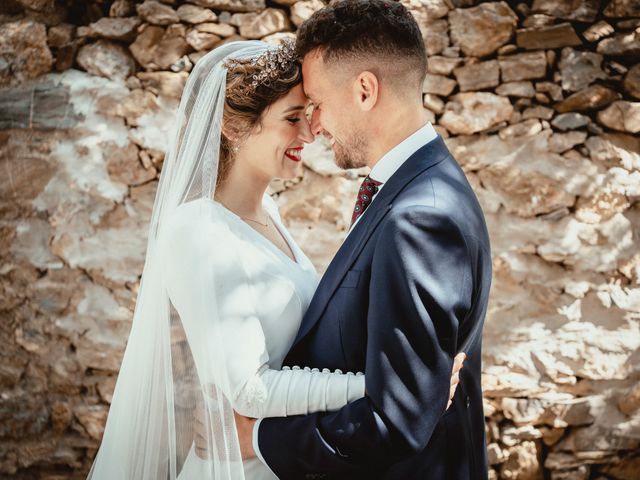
(367, 190)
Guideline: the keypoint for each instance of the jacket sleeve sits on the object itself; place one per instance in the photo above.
(420, 290)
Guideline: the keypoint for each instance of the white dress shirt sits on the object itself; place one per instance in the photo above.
(394, 158)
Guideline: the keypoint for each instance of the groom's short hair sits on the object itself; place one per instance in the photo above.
(380, 32)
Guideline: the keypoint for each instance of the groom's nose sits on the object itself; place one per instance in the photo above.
(316, 126)
(305, 133)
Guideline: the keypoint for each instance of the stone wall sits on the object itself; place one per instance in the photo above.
(540, 102)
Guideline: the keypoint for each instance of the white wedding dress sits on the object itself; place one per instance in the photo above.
(260, 295)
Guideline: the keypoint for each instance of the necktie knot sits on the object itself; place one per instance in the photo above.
(366, 193)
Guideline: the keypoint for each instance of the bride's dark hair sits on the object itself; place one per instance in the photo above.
(245, 103)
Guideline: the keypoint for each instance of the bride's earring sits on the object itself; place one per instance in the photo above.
(236, 148)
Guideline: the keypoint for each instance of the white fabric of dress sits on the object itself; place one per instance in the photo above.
(261, 295)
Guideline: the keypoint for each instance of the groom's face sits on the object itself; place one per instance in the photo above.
(334, 115)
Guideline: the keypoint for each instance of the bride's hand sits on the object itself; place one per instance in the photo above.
(244, 427)
(458, 361)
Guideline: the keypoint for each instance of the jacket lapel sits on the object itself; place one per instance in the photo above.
(425, 157)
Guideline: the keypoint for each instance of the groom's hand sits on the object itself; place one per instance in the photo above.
(458, 361)
(244, 427)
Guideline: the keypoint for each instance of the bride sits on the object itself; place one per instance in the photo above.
(224, 285)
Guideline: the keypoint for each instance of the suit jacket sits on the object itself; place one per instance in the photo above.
(407, 290)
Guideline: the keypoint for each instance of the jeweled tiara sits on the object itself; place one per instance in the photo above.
(272, 62)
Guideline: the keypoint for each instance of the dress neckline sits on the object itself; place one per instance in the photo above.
(268, 243)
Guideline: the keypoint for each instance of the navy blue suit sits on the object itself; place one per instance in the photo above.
(407, 290)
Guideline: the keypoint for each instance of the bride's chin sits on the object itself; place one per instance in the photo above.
(288, 175)
(291, 172)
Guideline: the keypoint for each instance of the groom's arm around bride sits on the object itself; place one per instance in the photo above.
(409, 287)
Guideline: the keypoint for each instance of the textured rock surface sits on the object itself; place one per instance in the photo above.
(591, 98)
(621, 44)
(157, 13)
(301, 11)
(570, 121)
(623, 116)
(581, 10)
(24, 53)
(469, 113)
(439, 65)
(106, 59)
(523, 66)
(194, 14)
(258, 25)
(550, 145)
(481, 30)
(202, 40)
(157, 49)
(632, 81)
(438, 85)
(622, 8)
(436, 36)
(232, 5)
(114, 28)
(554, 36)
(477, 76)
(579, 69)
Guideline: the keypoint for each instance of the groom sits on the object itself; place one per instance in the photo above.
(408, 289)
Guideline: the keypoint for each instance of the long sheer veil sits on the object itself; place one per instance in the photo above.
(167, 366)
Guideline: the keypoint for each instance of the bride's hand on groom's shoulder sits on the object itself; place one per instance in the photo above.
(458, 361)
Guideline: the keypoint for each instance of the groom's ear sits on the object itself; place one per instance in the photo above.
(366, 89)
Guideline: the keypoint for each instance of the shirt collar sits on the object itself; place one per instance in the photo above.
(394, 158)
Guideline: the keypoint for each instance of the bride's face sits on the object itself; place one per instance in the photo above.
(274, 148)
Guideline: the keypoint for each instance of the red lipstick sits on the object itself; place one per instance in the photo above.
(295, 158)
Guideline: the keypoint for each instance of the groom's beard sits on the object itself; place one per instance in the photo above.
(351, 153)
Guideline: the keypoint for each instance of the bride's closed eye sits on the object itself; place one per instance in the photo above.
(293, 120)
